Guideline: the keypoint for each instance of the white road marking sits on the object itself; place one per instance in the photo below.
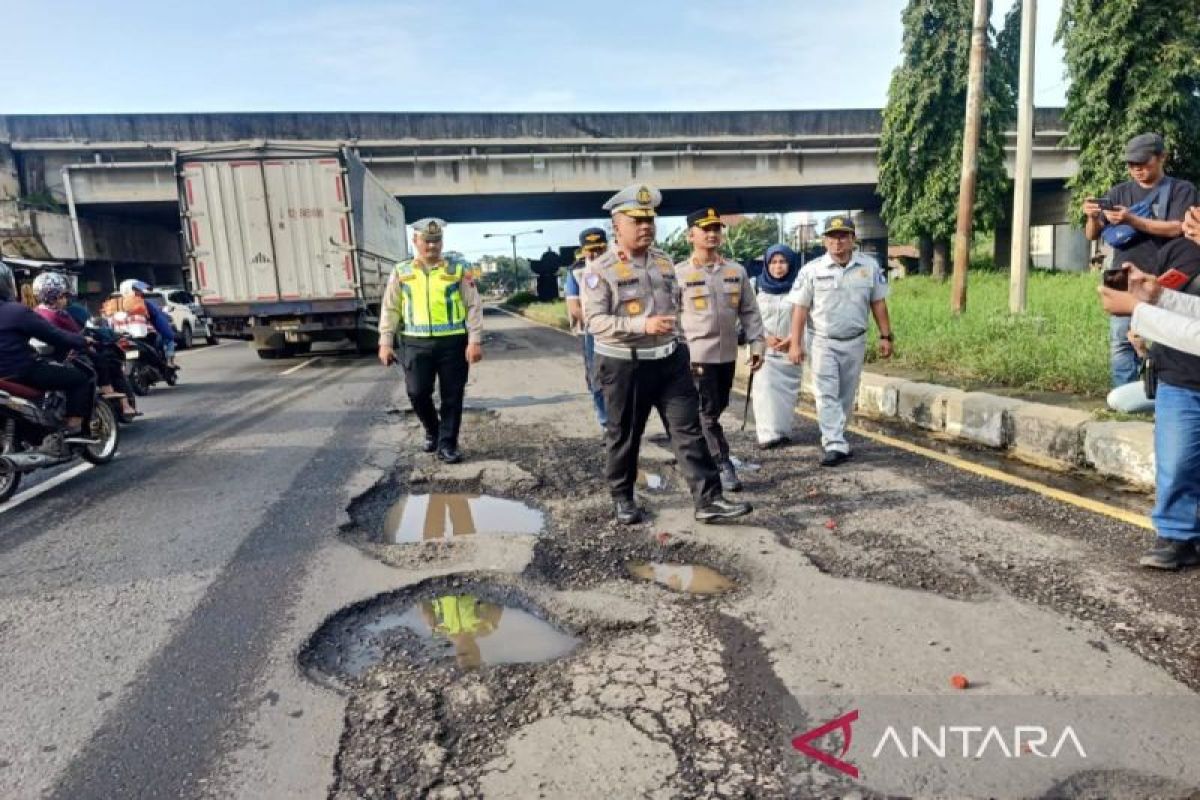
(42, 488)
(300, 366)
(207, 349)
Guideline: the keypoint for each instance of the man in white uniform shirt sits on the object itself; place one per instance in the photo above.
(834, 298)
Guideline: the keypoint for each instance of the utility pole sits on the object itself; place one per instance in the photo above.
(970, 162)
(513, 238)
(1023, 185)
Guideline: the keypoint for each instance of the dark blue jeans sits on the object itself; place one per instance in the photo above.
(1177, 462)
(589, 366)
(1123, 359)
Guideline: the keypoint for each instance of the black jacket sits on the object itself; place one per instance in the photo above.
(19, 324)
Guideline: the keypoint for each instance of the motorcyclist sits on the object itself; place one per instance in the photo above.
(19, 362)
(133, 294)
(53, 293)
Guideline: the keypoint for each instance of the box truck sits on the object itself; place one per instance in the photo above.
(289, 245)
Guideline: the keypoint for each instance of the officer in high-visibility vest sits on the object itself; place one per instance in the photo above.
(433, 304)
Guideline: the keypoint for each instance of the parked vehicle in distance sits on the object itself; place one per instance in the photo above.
(289, 244)
(187, 314)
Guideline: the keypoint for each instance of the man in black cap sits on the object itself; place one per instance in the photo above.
(715, 297)
(592, 244)
(1136, 218)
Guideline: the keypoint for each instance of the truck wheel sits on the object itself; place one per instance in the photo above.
(366, 342)
(270, 354)
(212, 337)
(186, 339)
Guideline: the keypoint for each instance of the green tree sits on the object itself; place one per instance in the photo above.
(507, 276)
(1134, 67)
(1008, 54)
(746, 240)
(920, 150)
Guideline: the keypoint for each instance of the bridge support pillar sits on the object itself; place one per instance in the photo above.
(10, 190)
(1002, 249)
(872, 234)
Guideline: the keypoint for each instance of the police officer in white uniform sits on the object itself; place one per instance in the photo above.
(629, 304)
(715, 298)
(833, 298)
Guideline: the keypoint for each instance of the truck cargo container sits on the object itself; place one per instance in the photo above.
(289, 245)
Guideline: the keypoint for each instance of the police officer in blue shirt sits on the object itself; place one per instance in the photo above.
(593, 242)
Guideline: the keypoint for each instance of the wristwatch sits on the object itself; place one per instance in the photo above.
(890, 337)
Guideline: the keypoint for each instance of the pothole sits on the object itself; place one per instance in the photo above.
(687, 578)
(446, 621)
(440, 517)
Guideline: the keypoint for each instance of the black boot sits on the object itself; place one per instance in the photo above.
(430, 445)
(449, 454)
(628, 511)
(1171, 554)
(719, 510)
(833, 457)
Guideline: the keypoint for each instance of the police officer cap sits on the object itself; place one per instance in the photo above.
(430, 228)
(636, 200)
(1144, 147)
(838, 222)
(592, 238)
(703, 218)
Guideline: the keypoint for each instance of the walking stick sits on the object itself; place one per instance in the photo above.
(746, 407)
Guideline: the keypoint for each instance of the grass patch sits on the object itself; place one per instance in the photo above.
(1059, 345)
(552, 313)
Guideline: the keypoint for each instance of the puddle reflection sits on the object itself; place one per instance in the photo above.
(689, 578)
(462, 627)
(440, 517)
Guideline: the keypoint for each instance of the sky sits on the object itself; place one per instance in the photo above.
(70, 56)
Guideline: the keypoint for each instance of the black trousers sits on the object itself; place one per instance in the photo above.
(76, 384)
(631, 389)
(713, 382)
(442, 359)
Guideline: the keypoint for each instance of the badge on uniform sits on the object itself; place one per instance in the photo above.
(633, 307)
(700, 303)
(592, 280)
(734, 298)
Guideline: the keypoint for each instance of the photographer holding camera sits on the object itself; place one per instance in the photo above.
(1136, 218)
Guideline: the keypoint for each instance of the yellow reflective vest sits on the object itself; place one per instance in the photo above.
(457, 614)
(432, 303)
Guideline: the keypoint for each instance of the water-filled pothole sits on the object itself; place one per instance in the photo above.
(441, 517)
(689, 578)
(434, 628)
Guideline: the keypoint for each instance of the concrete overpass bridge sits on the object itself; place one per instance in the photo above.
(115, 174)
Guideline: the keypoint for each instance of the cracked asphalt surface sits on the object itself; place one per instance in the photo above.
(172, 625)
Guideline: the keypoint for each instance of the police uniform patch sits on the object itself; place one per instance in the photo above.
(700, 303)
(734, 298)
(592, 280)
(633, 307)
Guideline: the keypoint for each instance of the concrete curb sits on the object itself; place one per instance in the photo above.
(1045, 435)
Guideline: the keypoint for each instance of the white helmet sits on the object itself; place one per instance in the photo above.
(133, 286)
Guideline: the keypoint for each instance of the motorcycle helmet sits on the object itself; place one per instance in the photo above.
(8, 283)
(48, 287)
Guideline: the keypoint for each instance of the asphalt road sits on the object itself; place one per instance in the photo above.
(151, 611)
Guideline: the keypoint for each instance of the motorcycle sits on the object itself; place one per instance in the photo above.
(115, 348)
(33, 434)
(147, 365)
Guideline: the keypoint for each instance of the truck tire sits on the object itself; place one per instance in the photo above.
(366, 342)
(270, 354)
